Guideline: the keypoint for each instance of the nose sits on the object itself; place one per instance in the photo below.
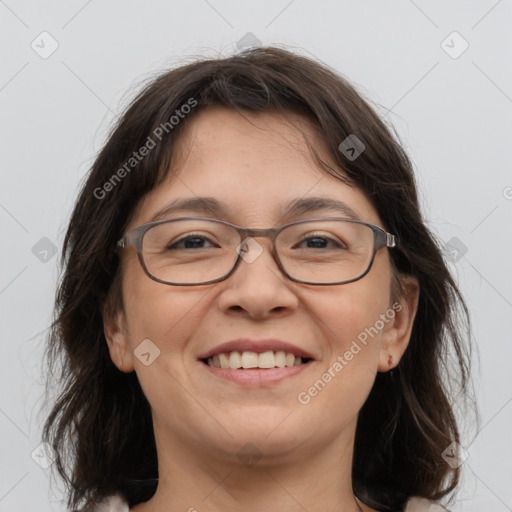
(257, 286)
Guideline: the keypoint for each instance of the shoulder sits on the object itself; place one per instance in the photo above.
(113, 503)
(116, 503)
(417, 504)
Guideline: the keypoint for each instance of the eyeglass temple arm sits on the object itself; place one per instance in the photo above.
(384, 239)
(123, 242)
(390, 240)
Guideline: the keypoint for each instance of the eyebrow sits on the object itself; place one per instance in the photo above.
(294, 208)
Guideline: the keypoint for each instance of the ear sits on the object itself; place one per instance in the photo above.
(117, 336)
(397, 334)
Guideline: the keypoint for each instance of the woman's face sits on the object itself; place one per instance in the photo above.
(254, 166)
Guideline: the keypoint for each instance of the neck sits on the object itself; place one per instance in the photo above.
(310, 479)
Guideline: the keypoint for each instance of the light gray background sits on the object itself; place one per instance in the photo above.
(453, 112)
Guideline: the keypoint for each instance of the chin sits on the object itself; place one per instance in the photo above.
(272, 432)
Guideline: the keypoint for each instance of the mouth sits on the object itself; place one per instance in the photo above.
(255, 370)
(256, 363)
(250, 360)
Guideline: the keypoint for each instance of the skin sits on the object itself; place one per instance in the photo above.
(254, 163)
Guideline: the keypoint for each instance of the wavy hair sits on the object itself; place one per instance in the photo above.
(100, 425)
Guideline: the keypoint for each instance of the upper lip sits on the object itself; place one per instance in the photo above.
(258, 346)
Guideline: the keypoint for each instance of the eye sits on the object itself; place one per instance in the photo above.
(190, 241)
(320, 241)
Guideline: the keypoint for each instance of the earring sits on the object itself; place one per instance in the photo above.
(390, 364)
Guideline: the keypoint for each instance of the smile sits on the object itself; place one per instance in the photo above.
(252, 369)
(248, 359)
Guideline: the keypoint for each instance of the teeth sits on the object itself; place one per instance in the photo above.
(247, 359)
(266, 360)
(235, 360)
(280, 359)
(224, 360)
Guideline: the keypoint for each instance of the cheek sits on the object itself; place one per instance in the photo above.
(352, 313)
(164, 314)
(167, 317)
(343, 380)
(170, 317)
(350, 320)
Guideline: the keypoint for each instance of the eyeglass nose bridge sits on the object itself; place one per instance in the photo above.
(249, 233)
(255, 232)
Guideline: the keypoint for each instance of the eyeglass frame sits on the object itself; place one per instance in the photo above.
(381, 238)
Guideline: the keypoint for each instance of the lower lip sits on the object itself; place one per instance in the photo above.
(255, 377)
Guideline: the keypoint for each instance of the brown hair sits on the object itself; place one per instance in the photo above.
(101, 423)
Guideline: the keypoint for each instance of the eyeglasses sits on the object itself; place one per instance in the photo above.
(190, 251)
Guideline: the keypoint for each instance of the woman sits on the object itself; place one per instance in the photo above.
(253, 315)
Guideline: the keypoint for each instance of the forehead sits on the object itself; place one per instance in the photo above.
(254, 165)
